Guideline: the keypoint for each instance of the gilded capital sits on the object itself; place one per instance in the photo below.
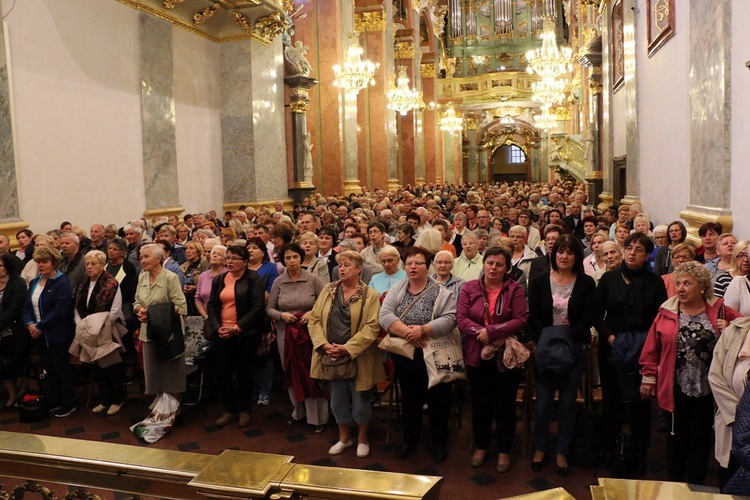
(404, 50)
(370, 22)
(269, 27)
(299, 100)
(205, 14)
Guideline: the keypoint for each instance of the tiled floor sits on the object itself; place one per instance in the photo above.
(269, 432)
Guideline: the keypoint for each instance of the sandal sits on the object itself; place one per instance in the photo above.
(320, 429)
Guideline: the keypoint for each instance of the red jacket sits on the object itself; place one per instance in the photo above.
(509, 317)
(659, 353)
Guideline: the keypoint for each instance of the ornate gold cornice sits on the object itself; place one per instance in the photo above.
(404, 50)
(170, 4)
(167, 15)
(370, 22)
(428, 70)
(269, 27)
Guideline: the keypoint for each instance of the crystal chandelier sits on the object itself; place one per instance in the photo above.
(549, 91)
(356, 74)
(400, 97)
(545, 120)
(549, 61)
(450, 121)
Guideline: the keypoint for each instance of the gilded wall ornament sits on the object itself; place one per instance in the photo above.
(205, 14)
(170, 4)
(404, 50)
(299, 107)
(370, 22)
(428, 70)
(242, 21)
(269, 27)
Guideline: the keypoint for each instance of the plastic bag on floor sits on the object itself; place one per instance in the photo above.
(160, 421)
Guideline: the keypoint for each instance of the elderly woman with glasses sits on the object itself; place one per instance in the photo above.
(390, 259)
(739, 265)
(416, 309)
(676, 234)
(684, 252)
(443, 265)
(675, 363)
(737, 295)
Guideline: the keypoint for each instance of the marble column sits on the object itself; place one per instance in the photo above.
(158, 117)
(299, 93)
(473, 160)
(483, 172)
(253, 138)
(544, 157)
(430, 129)
(10, 216)
(710, 112)
(606, 132)
(405, 55)
(348, 116)
(449, 157)
(632, 148)
(377, 144)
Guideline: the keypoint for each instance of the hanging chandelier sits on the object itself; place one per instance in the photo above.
(549, 60)
(549, 91)
(545, 120)
(356, 74)
(450, 121)
(400, 97)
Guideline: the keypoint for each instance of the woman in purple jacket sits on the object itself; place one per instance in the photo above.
(491, 309)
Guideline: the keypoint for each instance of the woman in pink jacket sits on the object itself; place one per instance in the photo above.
(674, 363)
(491, 309)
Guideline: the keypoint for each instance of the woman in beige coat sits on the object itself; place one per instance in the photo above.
(344, 324)
(727, 376)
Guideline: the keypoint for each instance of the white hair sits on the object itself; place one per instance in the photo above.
(443, 253)
(72, 236)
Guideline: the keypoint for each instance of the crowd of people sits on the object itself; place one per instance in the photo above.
(530, 274)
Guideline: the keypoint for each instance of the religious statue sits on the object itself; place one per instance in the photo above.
(486, 119)
(296, 62)
(554, 151)
(588, 154)
(308, 167)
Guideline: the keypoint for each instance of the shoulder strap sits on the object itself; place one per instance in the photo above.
(421, 294)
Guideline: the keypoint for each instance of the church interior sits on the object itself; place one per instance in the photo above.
(116, 109)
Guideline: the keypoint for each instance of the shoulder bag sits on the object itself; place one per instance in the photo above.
(341, 367)
(399, 345)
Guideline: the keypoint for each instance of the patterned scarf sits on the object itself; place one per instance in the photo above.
(102, 296)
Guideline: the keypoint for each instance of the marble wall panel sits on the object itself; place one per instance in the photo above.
(158, 113)
(8, 183)
(269, 134)
(631, 99)
(606, 108)
(237, 133)
(710, 102)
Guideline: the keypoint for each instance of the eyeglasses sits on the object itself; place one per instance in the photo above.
(415, 264)
(741, 256)
(633, 249)
(233, 257)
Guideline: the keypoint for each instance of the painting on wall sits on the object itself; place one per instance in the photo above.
(660, 23)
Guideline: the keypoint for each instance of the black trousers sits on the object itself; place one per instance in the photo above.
(725, 474)
(493, 397)
(232, 362)
(690, 438)
(60, 376)
(614, 411)
(412, 378)
(111, 383)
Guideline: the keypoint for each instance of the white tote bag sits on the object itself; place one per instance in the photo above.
(444, 359)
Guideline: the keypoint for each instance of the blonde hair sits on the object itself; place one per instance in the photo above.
(700, 273)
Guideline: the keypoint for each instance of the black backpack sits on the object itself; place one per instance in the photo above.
(585, 445)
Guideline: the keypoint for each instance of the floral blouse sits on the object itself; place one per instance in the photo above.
(696, 340)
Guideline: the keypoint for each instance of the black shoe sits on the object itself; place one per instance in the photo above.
(538, 466)
(563, 471)
(404, 451)
(439, 454)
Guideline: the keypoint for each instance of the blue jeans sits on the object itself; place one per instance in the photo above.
(347, 404)
(566, 412)
(262, 376)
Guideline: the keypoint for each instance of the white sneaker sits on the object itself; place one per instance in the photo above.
(363, 450)
(340, 447)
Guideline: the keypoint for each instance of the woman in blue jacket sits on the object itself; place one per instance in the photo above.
(48, 316)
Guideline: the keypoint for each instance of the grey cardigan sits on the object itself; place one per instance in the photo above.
(443, 314)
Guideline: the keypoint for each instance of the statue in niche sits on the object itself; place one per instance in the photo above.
(554, 151)
(308, 167)
(588, 142)
(295, 61)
